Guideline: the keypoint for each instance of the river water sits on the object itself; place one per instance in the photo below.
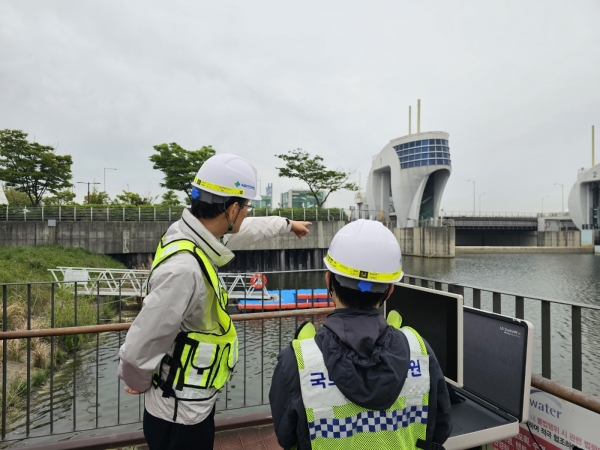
(100, 400)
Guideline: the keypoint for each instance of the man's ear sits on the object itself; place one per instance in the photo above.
(231, 209)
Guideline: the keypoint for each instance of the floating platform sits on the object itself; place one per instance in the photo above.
(305, 298)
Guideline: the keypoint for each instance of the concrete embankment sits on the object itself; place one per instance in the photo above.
(524, 250)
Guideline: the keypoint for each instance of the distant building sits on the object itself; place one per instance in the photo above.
(264, 203)
(407, 179)
(584, 199)
(297, 198)
(3, 199)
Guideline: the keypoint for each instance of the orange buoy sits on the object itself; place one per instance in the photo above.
(258, 281)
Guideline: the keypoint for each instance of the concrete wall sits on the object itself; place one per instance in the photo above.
(559, 239)
(134, 243)
(435, 242)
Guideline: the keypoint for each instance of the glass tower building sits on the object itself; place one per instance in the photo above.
(407, 179)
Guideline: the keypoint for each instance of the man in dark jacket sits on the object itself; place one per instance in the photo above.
(375, 385)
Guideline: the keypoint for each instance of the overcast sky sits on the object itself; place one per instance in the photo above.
(515, 84)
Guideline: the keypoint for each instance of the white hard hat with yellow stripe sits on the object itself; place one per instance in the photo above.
(365, 250)
(227, 175)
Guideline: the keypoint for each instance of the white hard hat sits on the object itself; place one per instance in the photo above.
(365, 250)
(228, 175)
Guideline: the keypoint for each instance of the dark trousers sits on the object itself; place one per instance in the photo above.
(163, 435)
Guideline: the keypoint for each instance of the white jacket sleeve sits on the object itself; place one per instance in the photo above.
(156, 326)
(256, 229)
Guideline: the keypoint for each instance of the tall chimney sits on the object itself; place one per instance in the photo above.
(409, 119)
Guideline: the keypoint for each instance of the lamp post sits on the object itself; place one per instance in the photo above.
(473, 196)
(545, 196)
(562, 193)
(88, 184)
(105, 169)
(480, 202)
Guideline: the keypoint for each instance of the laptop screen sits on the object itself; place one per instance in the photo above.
(436, 316)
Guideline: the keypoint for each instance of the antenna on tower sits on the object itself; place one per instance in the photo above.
(409, 119)
(419, 116)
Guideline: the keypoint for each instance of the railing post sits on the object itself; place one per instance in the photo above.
(520, 307)
(42, 213)
(139, 214)
(123, 214)
(169, 213)
(107, 214)
(437, 285)
(155, 213)
(7, 221)
(91, 213)
(59, 212)
(74, 213)
(497, 303)
(546, 341)
(576, 350)
(304, 210)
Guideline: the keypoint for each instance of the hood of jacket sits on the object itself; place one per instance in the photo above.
(366, 358)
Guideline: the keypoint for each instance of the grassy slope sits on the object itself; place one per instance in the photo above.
(27, 264)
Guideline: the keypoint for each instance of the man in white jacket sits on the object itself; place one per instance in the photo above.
(182, 346)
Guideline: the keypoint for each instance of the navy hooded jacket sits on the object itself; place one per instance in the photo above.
(368, 360)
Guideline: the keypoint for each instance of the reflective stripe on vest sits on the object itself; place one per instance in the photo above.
(334, 422)
(201, 362)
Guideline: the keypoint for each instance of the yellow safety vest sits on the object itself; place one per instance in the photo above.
(201, 362)
(334, 422)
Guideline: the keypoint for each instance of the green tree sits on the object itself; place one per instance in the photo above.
(32, 168)
(98, 197)
(132, 198)
(16, 198)
(64, 197)
(179, 165)
(170, 198)
(300, 164)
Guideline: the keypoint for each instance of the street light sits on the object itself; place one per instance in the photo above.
(562, 192)
(545, 196)
(473, 195)
(480, 202)
(105, 169)
(88, 183)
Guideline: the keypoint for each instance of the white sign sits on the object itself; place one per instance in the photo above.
(556, 424)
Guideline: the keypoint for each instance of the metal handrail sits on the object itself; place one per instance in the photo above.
(70, 331)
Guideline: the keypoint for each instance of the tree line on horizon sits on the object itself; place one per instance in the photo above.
(36, 175)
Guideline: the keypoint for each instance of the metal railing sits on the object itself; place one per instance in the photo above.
(456, 214)
(500, 301)
(76, 389)
(81, 392)
(99, 213)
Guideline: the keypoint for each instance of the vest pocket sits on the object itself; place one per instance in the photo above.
(204, 363)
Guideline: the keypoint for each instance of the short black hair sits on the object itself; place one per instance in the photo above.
(203, 210)
(353, 298)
